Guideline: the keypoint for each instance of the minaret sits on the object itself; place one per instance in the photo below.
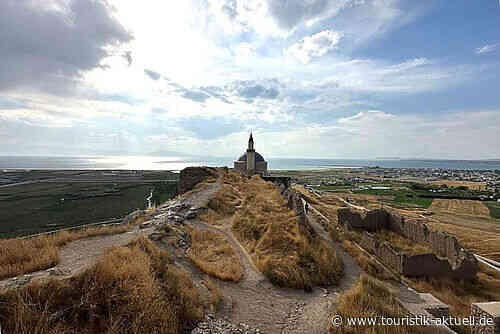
(250, 156)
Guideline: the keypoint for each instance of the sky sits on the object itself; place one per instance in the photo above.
(355, 79)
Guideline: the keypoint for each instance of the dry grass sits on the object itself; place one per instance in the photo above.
(365, 200)
(288, 253)
(459, 295)
(461, 207)
(327, 205)
(402, 244)
(134, 289)
(222, 205)
(453, 183)
(213, 254)
(21, 256)
(370, 298)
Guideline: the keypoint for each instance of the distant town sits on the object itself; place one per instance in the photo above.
(435, 183)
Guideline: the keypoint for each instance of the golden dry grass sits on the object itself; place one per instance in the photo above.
(222, 205)
(21, 256)
(134, 289)
(214, 255)
(452, 183)
(402, 244)
(459, 295)
(327, 205)
(370, 298)
(365, 200)
(461, 207)
(288, 253)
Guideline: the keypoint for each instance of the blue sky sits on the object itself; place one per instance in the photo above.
(310, 78)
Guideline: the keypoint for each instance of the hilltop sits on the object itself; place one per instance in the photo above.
(230, 254)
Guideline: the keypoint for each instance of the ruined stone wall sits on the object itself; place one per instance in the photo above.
(294, 202)
(383, 251)
(442, 244)
(191, 176)
(448, 257)
(369, 221)
(297, 203)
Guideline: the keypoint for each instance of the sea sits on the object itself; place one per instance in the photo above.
(176, 163)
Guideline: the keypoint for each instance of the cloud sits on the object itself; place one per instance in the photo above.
(486, 48)
(314, 46)
(368, 134)
(152, 74)
(194, 95)
(48, 45)
(251, 90)
(290, 13)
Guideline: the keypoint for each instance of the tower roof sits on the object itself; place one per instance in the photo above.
(258, 157)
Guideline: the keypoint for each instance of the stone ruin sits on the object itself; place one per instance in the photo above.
(190, 176)
(447, 259)
(489, 310)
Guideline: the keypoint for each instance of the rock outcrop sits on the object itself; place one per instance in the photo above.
(191, 176)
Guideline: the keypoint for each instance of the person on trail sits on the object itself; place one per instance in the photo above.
(307, 207)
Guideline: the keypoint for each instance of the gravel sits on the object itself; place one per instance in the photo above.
(213, 325)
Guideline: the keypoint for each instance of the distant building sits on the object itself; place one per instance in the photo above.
(251, 162)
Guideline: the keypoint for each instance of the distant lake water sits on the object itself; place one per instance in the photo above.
(178, 163)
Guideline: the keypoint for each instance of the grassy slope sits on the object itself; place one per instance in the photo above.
(286, 252)
(370, 298)
(213, 254)
(134, 289)
(21, 256)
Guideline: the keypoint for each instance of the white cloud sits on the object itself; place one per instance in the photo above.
(244, 50)
(457, 135)
(486, 48)
(314, 46)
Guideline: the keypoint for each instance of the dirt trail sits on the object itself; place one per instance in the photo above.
(76, 257)
(256, 301)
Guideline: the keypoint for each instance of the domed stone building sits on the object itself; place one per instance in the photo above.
(251, 162)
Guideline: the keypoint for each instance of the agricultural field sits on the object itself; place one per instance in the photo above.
(399, 198)
(457, 206)
(452, 183)
(53, 200)
(494, 208)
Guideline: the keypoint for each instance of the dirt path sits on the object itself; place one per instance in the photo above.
(256, 301)
(76, 257)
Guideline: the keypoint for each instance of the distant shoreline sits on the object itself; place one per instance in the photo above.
(275, 164)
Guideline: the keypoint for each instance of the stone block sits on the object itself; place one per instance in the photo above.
(486, 310)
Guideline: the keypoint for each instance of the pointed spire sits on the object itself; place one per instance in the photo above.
(250, 142)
